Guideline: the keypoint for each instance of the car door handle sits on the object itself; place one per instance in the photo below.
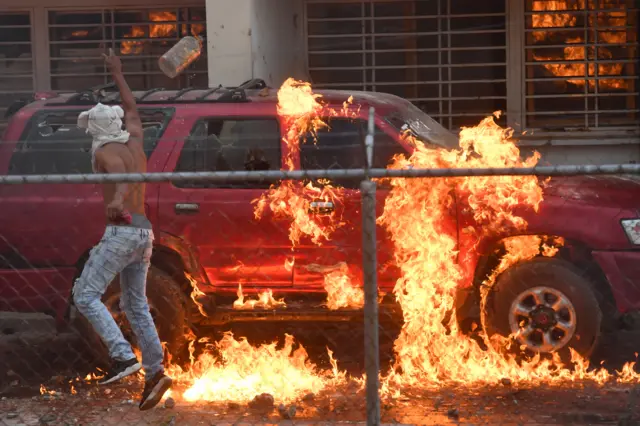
(321, 207)
(186, 208)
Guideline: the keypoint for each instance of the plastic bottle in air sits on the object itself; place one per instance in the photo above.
(180, 56)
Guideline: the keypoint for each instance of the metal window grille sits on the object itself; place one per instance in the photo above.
(581, 64)
(140, 37)
(446, 56)
(16, 59)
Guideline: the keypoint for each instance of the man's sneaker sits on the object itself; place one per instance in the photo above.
(119, 370)
(154, 390)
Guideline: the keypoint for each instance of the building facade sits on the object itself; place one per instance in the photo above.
(47, 45)
(563, 72)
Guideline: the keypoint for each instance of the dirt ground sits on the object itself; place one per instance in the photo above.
(30, 360)
(93, 405)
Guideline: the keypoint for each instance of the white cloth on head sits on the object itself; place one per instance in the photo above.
(104, 123)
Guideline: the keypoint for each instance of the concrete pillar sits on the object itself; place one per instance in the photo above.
(229, 41)
(255, 39)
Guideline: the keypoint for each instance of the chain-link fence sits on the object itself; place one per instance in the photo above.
(468, 284)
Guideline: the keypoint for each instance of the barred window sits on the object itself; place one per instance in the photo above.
(446, 56)
(140, 37)
(581, 64)
(16, 60)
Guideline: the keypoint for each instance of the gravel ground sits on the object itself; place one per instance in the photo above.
(615, 405)
(31, 359)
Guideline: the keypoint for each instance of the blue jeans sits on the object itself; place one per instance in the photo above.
(125, 251)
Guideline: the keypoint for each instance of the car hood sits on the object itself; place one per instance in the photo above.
(620, 191)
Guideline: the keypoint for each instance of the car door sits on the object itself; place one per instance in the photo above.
(216, 219)
(342, 146)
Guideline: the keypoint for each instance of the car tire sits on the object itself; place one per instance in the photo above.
(168, 307)
(550, 297)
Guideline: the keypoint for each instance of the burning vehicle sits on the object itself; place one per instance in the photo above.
(538, 267)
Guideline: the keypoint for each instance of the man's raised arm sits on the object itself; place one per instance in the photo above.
(131, 116)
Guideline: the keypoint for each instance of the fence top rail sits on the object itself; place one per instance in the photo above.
(276, 175)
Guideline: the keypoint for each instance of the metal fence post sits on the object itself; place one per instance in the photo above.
(369, 263)
(369, 266)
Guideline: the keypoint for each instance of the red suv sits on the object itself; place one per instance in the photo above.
(207, 234)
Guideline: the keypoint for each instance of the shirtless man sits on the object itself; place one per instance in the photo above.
(126, 246)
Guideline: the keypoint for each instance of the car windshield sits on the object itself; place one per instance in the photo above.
(423, 127)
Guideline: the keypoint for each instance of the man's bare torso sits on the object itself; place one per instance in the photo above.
(135, 161)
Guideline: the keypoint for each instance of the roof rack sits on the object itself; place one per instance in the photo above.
(207, 93)
(228, 94)
(180, 93)
(149, 92)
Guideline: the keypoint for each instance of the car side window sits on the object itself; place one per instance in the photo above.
(341, 146)
(53, 144)
(223, 145)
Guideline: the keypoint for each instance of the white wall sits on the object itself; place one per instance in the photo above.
(228, 41)
(255, 39)
(278, 44)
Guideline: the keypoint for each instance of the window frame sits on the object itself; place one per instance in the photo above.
(522, 65)
(252, 184)
(47, 58)
(444, 112)
(169, 113)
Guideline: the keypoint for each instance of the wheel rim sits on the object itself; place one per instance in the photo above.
(113, 305)
(543, 319)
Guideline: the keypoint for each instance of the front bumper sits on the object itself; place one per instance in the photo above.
(622, 269)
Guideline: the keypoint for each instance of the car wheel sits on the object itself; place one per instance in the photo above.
(168, 309)
(550, 306)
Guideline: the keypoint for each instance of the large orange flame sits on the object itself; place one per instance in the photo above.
(242, 371)
(301, 112)
(431, 350)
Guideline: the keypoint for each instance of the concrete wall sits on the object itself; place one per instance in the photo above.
(278, 43)
(229, 41)
(255, 39)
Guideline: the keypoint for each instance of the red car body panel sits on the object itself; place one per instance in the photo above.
(223, 245)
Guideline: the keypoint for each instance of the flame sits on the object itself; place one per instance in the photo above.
(431, 350)
(289, 264)
(166, 27)
(265, 300)
(340, 288)
(575, 49)
(301, 111)
(45, 391)
(196, 293)
(243, 371)
(291, 201)
(80, 33)
(91, 376)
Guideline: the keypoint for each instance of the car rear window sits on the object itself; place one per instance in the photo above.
(53, 144)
